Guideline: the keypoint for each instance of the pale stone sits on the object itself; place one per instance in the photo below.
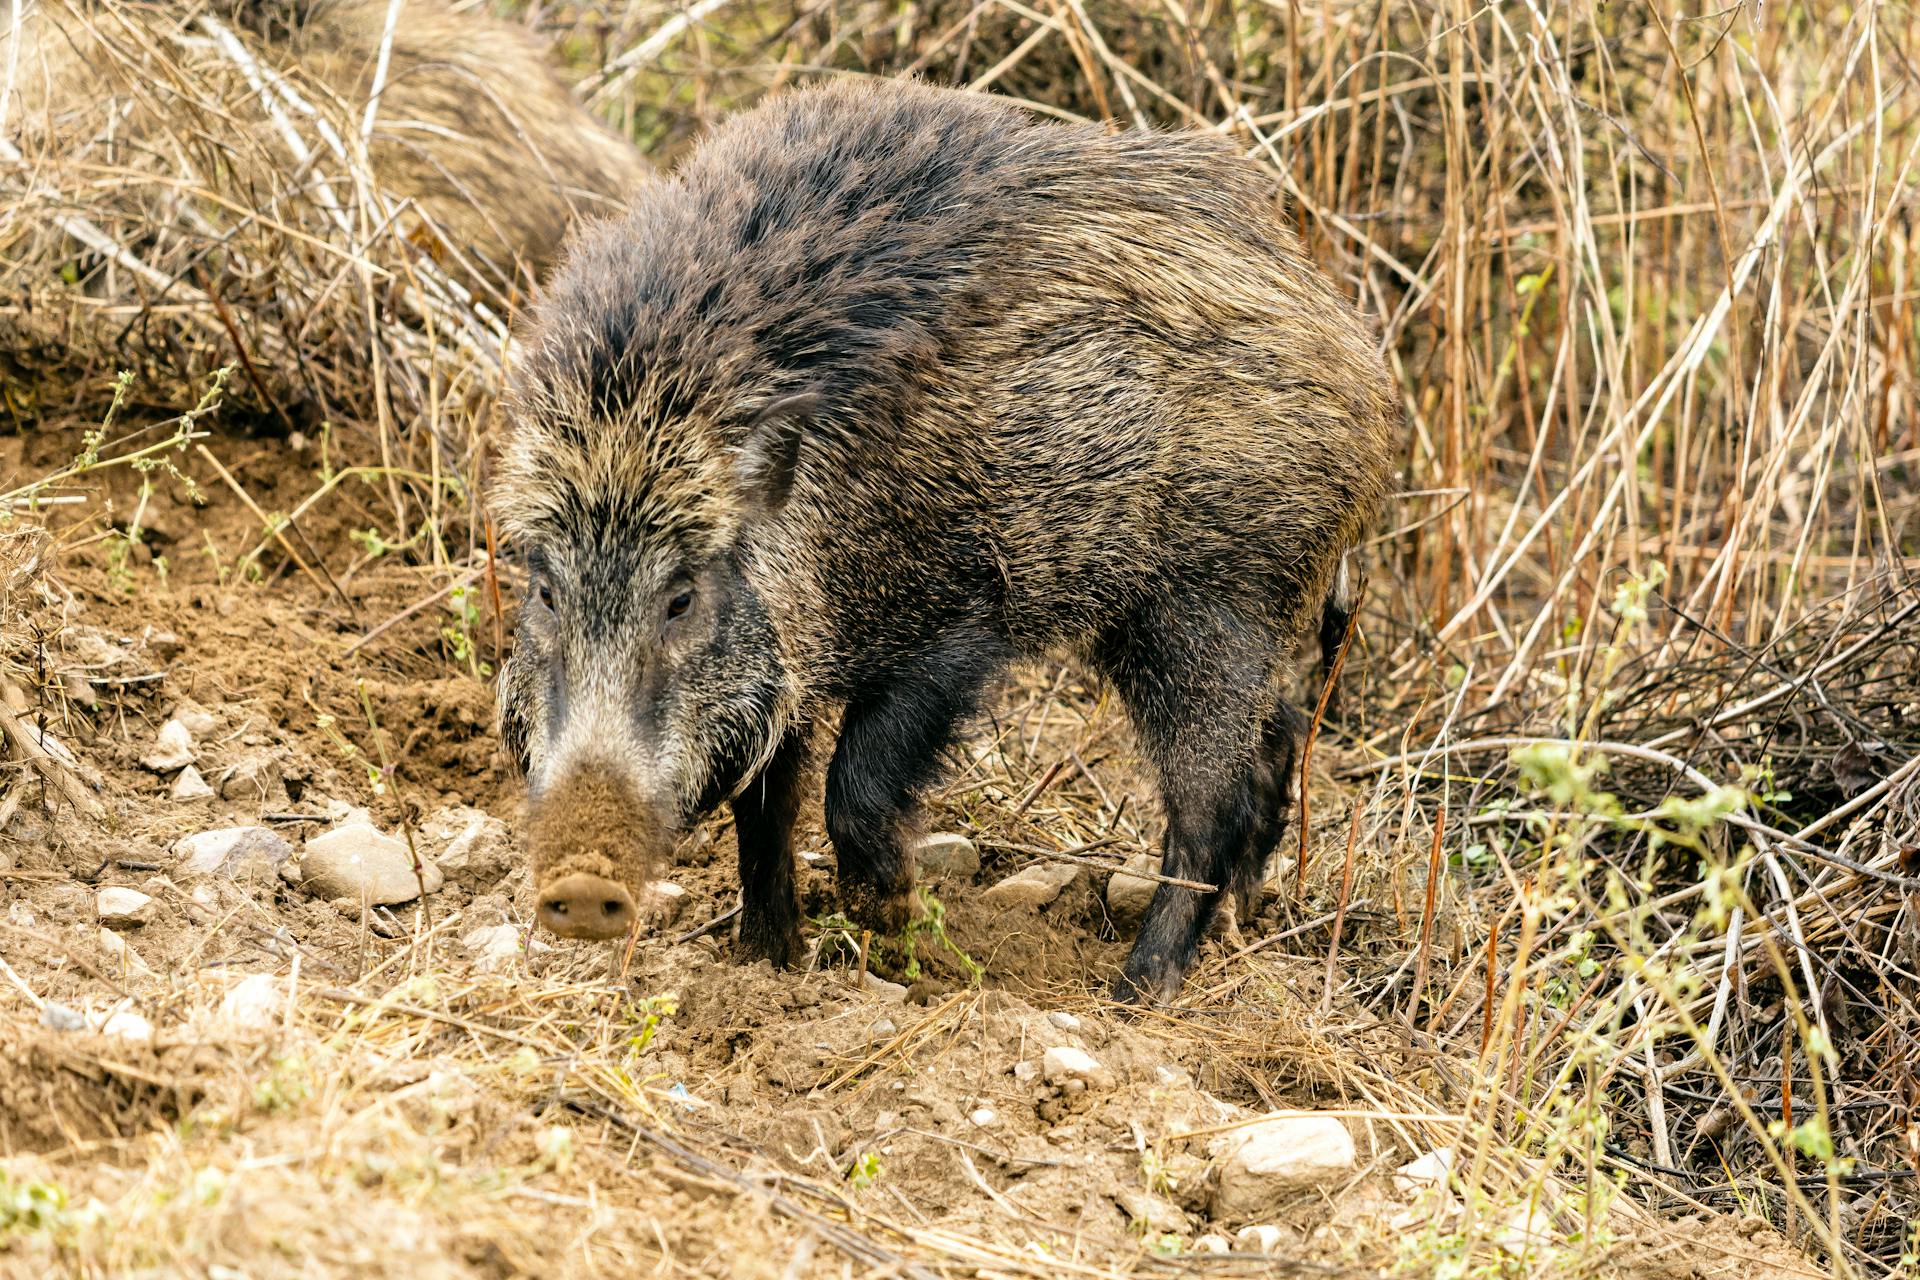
(172, 748)
(497, 947)
(1148, 1210)
(1262, 1237)
(1033, 888)
(255, 1003)
(662, 901)
(120, 908)
(983, 1117)
(1274, 1160)
(116, 946)
(253, 779)
(1429, 1170)
(59, 1017)
(1211, 1243)
(189, 785)
(1064, 1020)
(125, 1024)
(1064, 1065)
(1525, 1231)
(362, 863)
(239, 853)
(946, 856)
(1128, 895)
(199, 721)
(474, 848)
(890, 992)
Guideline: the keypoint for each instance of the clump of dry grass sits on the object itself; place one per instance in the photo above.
(346, 202)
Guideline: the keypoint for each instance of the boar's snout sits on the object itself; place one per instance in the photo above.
(586, 906)
(594, 845)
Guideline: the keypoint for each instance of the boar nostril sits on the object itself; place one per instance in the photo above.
(582, 905)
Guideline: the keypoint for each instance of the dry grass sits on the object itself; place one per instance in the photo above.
(1639, 676)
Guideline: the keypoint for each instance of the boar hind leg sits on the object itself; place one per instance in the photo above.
(1275, 788)
(1199, 682)
(763, 815)
(889, 749)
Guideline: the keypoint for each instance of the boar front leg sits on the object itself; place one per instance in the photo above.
(889, 750)
(763, 816)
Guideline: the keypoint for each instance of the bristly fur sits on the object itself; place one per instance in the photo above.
(1059, 390)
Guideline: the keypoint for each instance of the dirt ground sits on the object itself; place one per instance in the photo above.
(262, 1083)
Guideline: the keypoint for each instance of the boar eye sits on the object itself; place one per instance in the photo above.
(679, 605)
(546, 595)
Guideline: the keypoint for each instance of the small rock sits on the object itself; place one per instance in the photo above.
(891, 992)
(60, 1018)
(239, 853)
(1524, 1230)
(494, 947)
(189, 785)
(200, 722)
(1146, 1209)
(164, 645)
(882, 1030)
(1277, 1158)
(946, 856)
(1211, 1243)
(1262, 1237)
(126, 1025)
(255, 1003)
(69, 900)
(662, 901)
(1064, 1020)
(983, 1117)
(172, 748)
(80, 689)
(1025, 1072)
(252, 779)
(1064, 1066)
(1128, 895)
(116, 947)
(472, 847)
(362, 863)
(1033, 888)
(342, 814)
(1429, 1170)
(121, 908)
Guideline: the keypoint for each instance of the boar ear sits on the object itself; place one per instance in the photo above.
(770, 457)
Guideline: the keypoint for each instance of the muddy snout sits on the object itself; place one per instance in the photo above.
(586, 906)
(594, 846)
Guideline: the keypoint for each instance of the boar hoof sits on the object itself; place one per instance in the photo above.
(884, 913)
(585, 906)
(778, 946)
